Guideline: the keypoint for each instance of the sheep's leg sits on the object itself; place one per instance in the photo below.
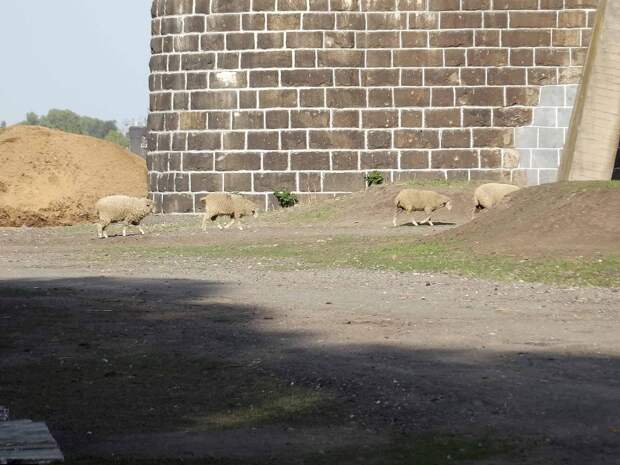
(204, 222)
(240, 225)
(415, 223)
(101, 230)
(141, 230)
(394, 221)
(230, 224)
(429, 212)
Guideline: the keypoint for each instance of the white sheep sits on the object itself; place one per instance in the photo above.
(414, 200)
(121, 209)
(489, 195)
(223, 204)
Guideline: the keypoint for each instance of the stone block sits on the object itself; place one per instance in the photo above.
(545, 117)
(381, 160)
(198, 162)
(275, 161)
(344, 161)
(552, 96)
(551, 138)
(452, 159)
(545, 158)
(343, 182)
(564, 116)
(269, 182)
(526, 137)
(237, 161)
(310, 161)
(237, 182)
(178, 203)
(206, 182)
(414, 159)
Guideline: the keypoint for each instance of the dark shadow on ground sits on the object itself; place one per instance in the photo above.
(167, 368)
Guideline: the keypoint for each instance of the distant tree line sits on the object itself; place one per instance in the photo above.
(68, 121)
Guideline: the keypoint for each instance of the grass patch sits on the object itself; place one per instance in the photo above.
(403, 254)
(275, 408)
(306, 213)
(434, 257)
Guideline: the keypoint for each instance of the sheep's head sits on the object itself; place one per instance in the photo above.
(149, 205)
(250, 208)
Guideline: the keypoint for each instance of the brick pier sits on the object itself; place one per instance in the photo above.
(308, 95)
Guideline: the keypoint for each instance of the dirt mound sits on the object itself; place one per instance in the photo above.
(376, 206)
(563, 219)
(569, 219)
(51, 177)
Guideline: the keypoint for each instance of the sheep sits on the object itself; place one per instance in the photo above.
(223, 204)
(489, 195)
(121, 209)
(413, 200)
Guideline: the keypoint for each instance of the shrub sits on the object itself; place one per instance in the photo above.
(285, 198)
(374, 178)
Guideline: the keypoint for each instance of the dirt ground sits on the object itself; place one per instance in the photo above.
(184, 347)
(51, 177)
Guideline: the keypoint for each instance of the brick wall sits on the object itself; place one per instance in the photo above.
(256, 95)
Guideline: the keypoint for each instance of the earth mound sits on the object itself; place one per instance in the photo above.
(51, 177)
(561, 219)
(376, 206)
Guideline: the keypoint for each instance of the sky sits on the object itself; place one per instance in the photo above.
(89, 56)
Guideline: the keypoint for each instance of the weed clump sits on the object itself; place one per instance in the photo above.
(286, 198)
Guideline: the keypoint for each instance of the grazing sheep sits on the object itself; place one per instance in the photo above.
(232, 205)
(489, 195)
(413, 200)
(121, 209)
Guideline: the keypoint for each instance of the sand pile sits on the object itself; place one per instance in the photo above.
(50, 177)
(565, 219)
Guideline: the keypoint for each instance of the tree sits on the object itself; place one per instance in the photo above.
(118, 138)
(68, 121)
(32, 119)
(2, 124)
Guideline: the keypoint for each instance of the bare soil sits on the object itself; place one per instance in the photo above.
(144, 350)
(554, 219)
(50, 177)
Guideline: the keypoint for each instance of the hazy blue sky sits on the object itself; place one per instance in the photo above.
(90, 56)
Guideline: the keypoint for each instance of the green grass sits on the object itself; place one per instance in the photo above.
(306, 213)
(402, 254)
(276, 408)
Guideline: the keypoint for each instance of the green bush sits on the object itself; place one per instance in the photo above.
(285, 198)
(374, 178)
(68, 121)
